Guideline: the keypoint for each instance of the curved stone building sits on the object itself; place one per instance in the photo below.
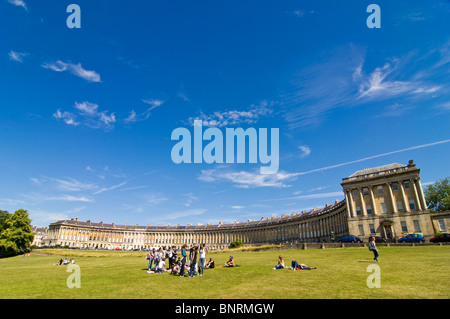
(384, 201)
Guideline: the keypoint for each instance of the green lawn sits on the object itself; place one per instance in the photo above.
(406, 272)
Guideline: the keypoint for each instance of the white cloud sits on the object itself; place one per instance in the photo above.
(37, 198)
(67, 117)
(185, 213)
(76, 69)
(305, 151)
(88, 114)
(342, 80)
(106, 189)
(234, 117)
(134, 117)
(302, 13)
(19, 3)
(70, 184)
(17, 56)
(243, 179)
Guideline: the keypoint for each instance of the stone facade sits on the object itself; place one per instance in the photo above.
(387, 201)
(384, 201)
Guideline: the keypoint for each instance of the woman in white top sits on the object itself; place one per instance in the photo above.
(202, 260)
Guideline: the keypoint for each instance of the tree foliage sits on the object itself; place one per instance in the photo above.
(15, 233)
(236, 243)
(437, 195)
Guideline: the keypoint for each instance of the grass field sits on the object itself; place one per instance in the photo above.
(406, 272)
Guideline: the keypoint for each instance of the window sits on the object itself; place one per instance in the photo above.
(399, 206)
(383, 208)
(442, 226)
(369, 209)
(395, 186)
(365, 191)
(407, 185)
(380, 189)
(404, 227)
(416, 226)
(412, 206)
(358, 211)
(355, 193)
(361, 230)
(372, 228)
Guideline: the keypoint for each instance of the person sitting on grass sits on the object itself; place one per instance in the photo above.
(176, 267)
(230, 262)
(280, 263)
(210, 264)
(161, 267)
(296, 266)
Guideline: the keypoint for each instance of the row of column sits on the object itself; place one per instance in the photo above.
(419, 198)
(315, 228)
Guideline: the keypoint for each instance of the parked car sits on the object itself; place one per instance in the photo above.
(350, 239)
(118, 248)
(412, 238)
(441, 238)
(379, 239)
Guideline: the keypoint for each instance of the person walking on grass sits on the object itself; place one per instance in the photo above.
(373, 248)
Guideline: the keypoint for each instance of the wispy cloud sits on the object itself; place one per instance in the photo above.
(302, 13)
(185, 213)
(75, 69)
(38, 197)
(243, 179)
(70, 184)
(17, 56)
(190, 200)
(235, 117)
(106, 189)
(19, 3)
(310, 196)
(305, 151)
(371, 157)
(342, 80)
(134, 117)
(88, 114)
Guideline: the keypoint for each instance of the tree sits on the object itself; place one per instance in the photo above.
(16, 235)
(437, 195)
(236, 243)
(3, 217)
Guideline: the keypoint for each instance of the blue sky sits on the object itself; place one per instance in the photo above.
(87, 114)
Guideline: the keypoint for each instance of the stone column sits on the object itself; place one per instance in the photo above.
(423, 202)
(405, 200)
(351, 203)
(416, 195)
(363, 204)
(391, 196)
(372, 198)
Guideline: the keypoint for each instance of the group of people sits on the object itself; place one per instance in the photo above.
(294, 265)
(184, 265)
(64, 262)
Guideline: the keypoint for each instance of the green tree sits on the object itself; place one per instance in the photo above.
(437, 195)
(16, 235)
(3, 217)
(236, 243)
